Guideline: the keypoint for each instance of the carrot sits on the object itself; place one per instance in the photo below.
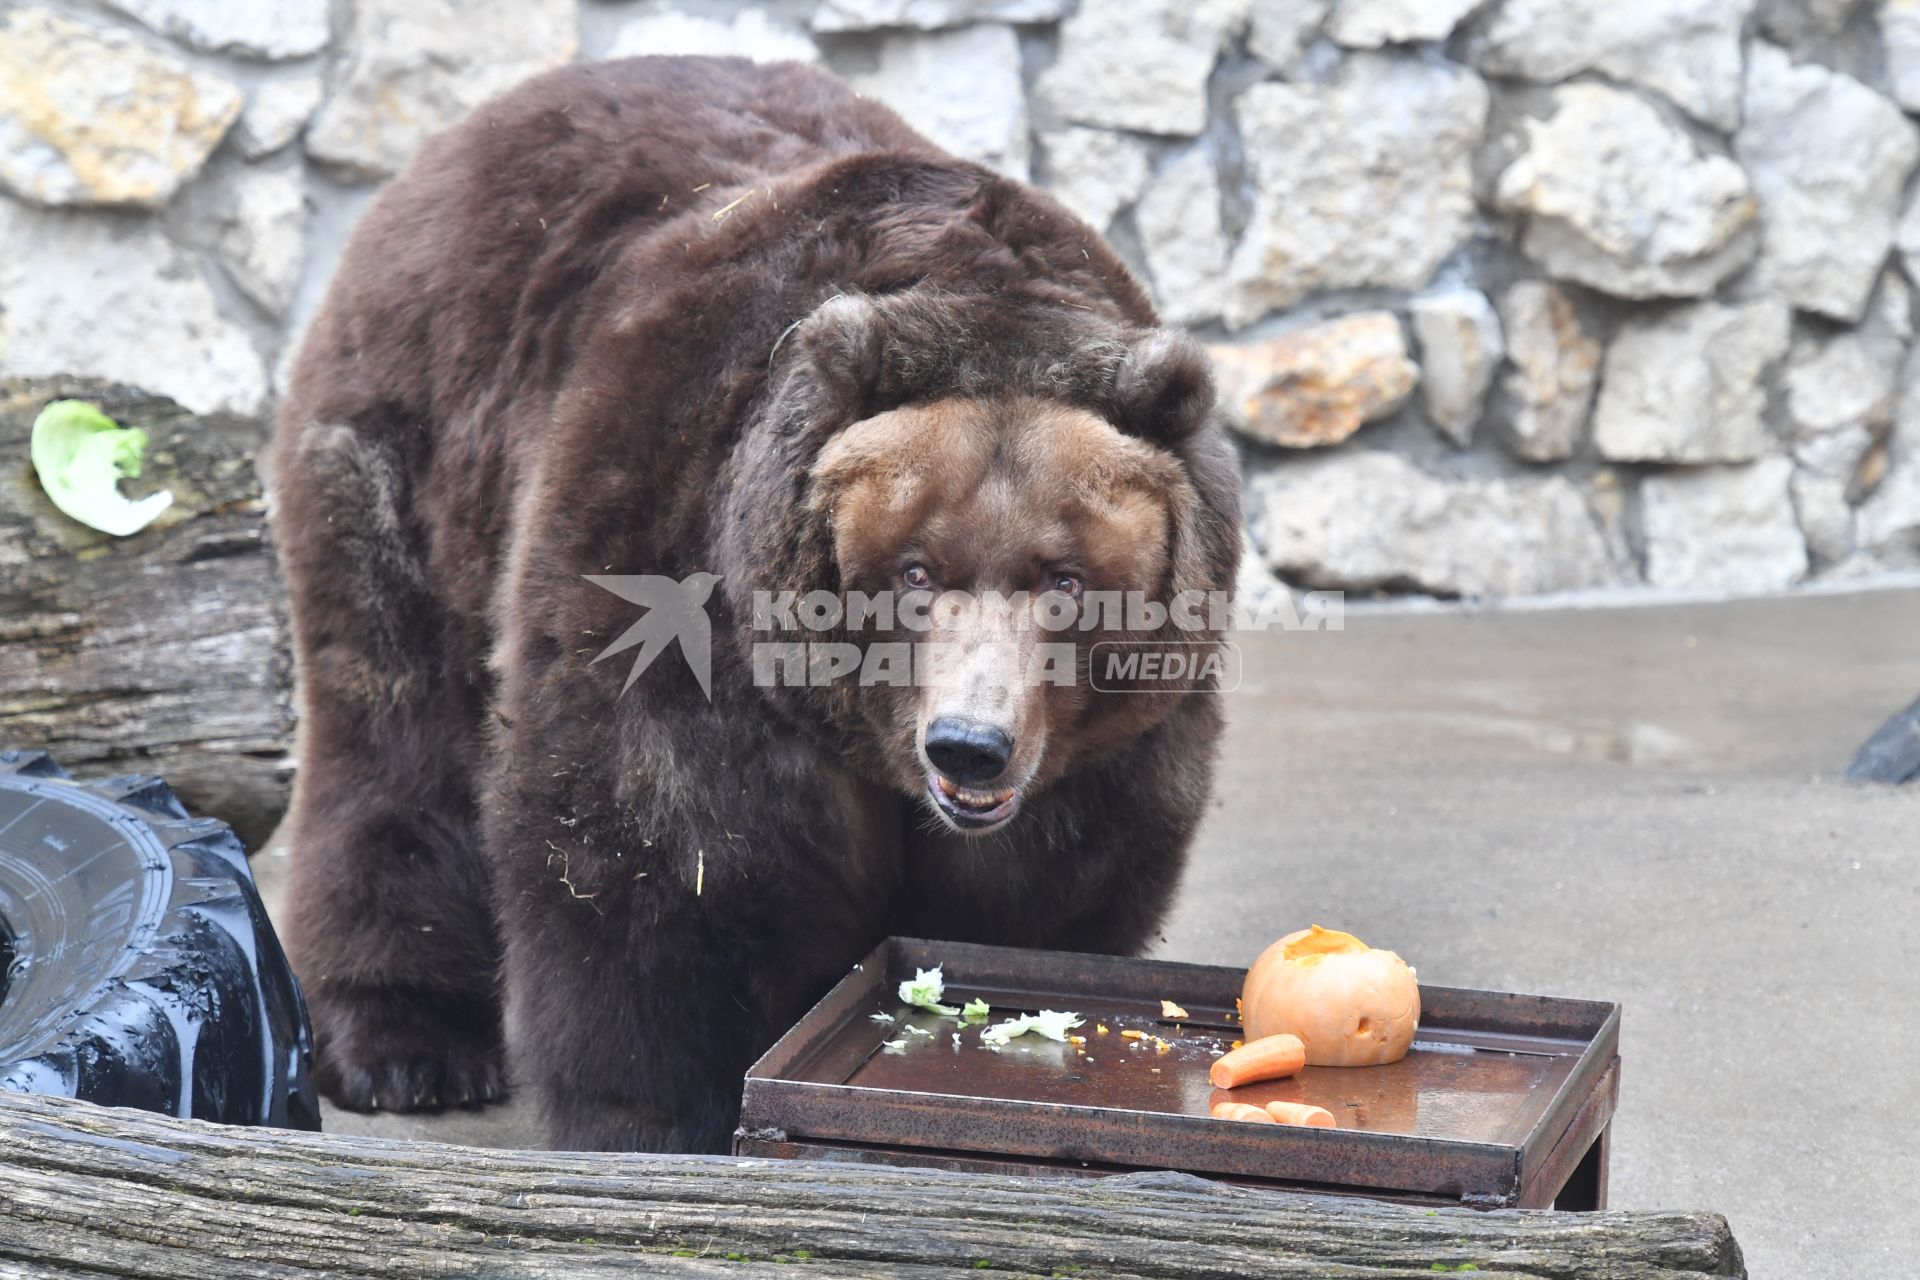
(1241, 1111)
(1301, 1113)
(1267, 1058)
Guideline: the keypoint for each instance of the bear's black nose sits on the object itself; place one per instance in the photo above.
(967, 751)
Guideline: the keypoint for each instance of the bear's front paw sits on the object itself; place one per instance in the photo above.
(388, 1049)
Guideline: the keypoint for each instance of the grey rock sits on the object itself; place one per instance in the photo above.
(264, 246)
(929, 15)
(1549, 387)
(1316, 385)
(1900, 38)
(1460, 351)
(1907, 239)
(413, 67)
(89, 116)
(1840, 392)
(1095, 172)
(1826, 518)
(1364, 182)
(1803, 25)
(1688, 51)
(961, 88)
(1839, 382)
(1185, 242)
(1839, 455)
(1610, 502)
(1368, 24)
(1252, 580)
(1829, 159)
(1858, 565)
(1279, 29)
(106, 295)
(1140, 64)
(273, 30)
(254, 221)
(1890, 313)
(1690, 385)
(1887, 524)
(1618, 199)
(1723, 528)
(750, 34)
(275, 115)
(1363, 519)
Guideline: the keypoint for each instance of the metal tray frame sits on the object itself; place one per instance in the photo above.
(798, 1105)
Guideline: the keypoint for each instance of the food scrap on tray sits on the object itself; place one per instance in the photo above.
(923, 991)
(1268, 1058)
(1351, 1005)
(1050, 1023)
(1226, 1110)
(1300, 1113)
(927, 990)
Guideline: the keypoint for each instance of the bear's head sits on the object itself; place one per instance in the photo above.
(999, 501)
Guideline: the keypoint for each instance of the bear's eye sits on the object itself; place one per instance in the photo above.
(916, 577)
(1068, 584)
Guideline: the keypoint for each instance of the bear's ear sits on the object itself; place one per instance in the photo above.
(1163, 387)
(841, 347)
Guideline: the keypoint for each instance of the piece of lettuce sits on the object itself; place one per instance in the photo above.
(1048, 1022)
(975, 1010)
(80, 454)
(924, 989)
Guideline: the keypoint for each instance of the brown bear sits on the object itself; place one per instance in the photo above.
(734, 329)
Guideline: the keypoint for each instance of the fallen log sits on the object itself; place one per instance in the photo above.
(89, 1191)
(165, 652)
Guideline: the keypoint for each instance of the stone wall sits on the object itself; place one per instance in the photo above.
(1508, 296)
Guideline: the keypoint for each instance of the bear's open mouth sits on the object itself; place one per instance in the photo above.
(969, 807)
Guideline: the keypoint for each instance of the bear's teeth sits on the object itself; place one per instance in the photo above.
(971, 797)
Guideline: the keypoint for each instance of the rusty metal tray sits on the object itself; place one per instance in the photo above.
(1504, 1099)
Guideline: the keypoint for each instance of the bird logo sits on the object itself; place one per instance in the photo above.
(676, 610)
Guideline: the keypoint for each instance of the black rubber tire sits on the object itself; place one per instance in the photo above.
(137, 966)
(1892, 754)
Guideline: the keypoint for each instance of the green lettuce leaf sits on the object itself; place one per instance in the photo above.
(975, 1010)
(924, 990)
(1048, 1022)
(80, 454)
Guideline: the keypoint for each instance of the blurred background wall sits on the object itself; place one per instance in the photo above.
(1508, 296)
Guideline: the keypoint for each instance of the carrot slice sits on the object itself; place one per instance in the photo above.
(1241, 1111)
(1301, 1113)
(1267, 1058)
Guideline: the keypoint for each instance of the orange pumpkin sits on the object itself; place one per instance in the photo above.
(1350, 1004)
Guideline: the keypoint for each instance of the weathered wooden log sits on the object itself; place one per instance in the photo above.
(165, 652)
(88, 1191)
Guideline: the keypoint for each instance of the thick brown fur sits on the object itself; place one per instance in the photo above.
(548, 354)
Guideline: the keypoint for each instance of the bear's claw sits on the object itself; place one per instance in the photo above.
(398, 1051)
